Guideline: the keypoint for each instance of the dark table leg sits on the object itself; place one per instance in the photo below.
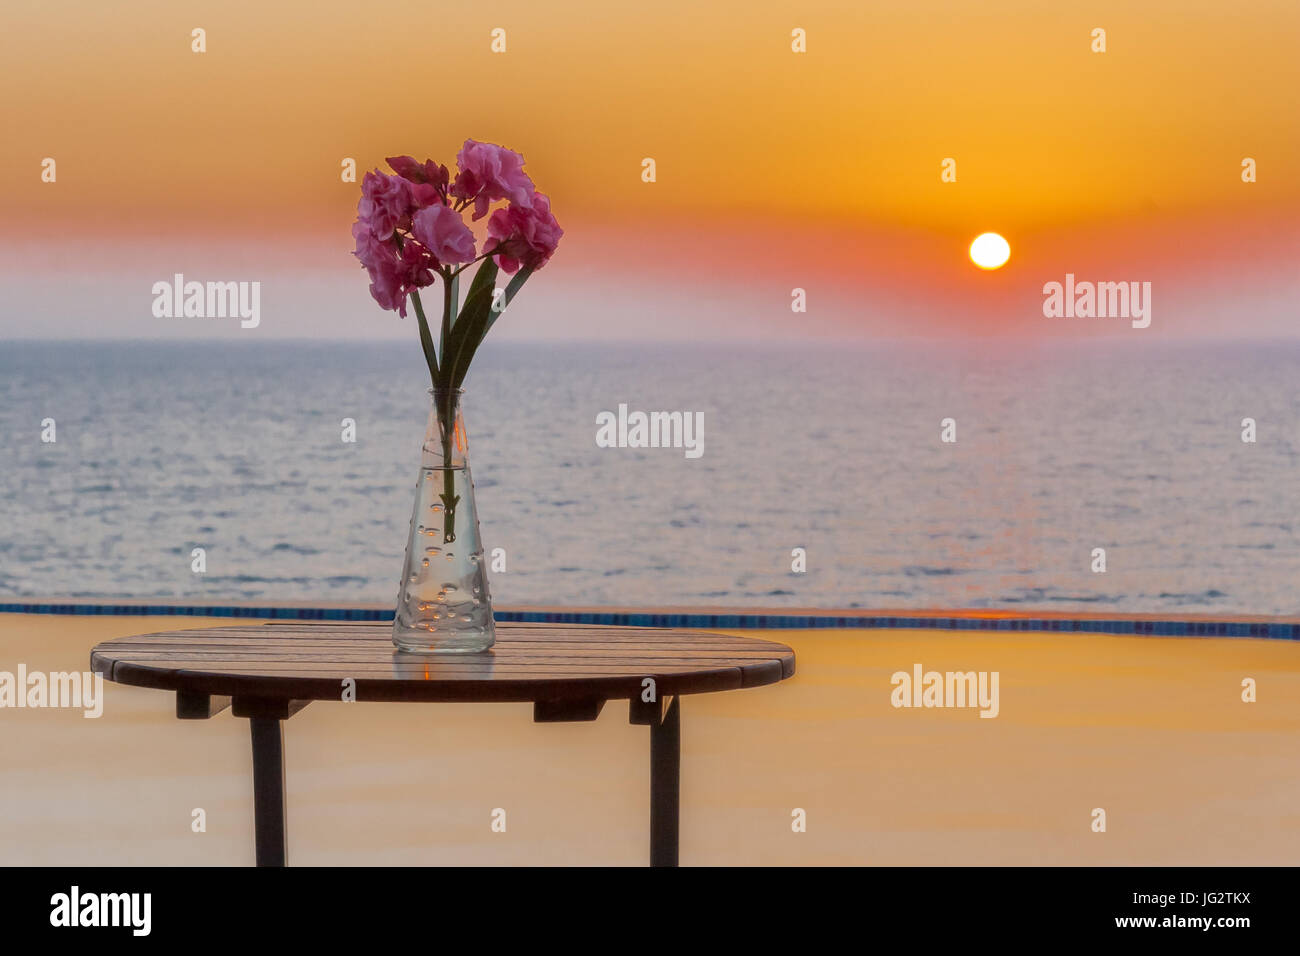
(268, 790)
(665, 785)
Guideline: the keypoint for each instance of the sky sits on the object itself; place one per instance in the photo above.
(775, 170)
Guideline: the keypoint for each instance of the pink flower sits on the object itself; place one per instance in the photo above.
(444, 233)
(386, 288)
(489, 173)
(385, 202)
(428, 180)
(424, 194)
(410, 224)
(524, 236)
(426, 172)
(368, 249)
(392, 276)
(417, 266)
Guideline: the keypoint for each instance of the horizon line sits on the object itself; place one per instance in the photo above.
(771, 341)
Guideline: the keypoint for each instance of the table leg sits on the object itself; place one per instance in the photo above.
(665, 785)
(268, 790)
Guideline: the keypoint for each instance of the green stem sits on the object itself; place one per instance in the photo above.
(479, 258)
(448, 311)
(446, 404)
(445, 401)
(426, 339)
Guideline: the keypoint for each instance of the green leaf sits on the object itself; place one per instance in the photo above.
(449, 303)
(426, 340)
(455, 297)
(471, 326)
(493, 314)
(485, 277)
(512, 289)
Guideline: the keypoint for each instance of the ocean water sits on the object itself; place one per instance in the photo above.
(236, 448)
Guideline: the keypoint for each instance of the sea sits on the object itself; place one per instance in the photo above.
(1094, 476)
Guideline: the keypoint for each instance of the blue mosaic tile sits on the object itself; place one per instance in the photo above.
(1281, 630)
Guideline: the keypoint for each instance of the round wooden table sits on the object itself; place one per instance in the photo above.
(269, 672)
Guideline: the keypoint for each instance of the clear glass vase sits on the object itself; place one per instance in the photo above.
(443, 605)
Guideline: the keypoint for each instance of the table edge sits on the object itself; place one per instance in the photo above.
(506, 690)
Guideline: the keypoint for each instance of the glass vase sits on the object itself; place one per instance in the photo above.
(443, 605)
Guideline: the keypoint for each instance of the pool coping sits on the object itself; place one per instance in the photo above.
(973, 619)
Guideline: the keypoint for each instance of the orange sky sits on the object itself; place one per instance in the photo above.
(775, 169)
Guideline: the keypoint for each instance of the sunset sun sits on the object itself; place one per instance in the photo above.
(990, 251)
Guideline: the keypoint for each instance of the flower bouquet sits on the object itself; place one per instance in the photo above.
(411, 232)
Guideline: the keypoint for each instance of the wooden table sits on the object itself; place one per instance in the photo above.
(269, 672)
